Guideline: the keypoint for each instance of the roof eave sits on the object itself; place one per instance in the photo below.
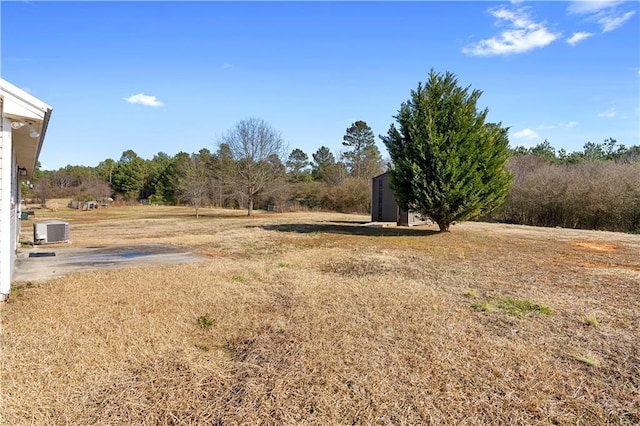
(45, 125)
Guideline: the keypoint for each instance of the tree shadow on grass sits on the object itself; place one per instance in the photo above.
(192, 215)
(353, 229)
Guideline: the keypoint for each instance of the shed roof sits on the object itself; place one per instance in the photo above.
(20, 106)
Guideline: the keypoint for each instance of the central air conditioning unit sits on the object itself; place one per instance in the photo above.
(51, 231)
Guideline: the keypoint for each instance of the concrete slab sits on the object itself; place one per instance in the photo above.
(379, 224)
(46, 262)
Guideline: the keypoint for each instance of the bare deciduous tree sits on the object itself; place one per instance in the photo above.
(253, 143)
(194, 182)
(590, 194)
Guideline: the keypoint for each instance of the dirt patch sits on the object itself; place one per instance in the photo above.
(214, 254)
(596, 246)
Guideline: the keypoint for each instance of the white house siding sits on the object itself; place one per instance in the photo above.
(2, 263)
(17, 148)
(14, 220)
(9, 208)
(7, 241)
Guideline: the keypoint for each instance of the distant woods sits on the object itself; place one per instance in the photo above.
(249, 169)
(596, 188)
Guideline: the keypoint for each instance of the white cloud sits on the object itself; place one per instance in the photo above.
(610, 23)
(143, 99)
(610, 113)
(522, 35)
(582, 7)
(606, 13)
(226, 66)
(526, 134)
(566, 125)
(578, 37)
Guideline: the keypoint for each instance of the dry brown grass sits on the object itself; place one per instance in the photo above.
(313, 319)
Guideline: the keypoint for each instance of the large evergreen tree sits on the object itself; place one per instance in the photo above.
(448, 164)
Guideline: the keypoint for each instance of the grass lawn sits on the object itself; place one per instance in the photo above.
(311, 318)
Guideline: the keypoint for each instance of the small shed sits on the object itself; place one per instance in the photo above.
(384, 207)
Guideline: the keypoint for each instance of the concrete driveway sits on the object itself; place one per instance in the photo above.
(47, 262)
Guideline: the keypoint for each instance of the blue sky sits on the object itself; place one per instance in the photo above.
(174, 76)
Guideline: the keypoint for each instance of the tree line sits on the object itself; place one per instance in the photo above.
(597, 188)
(251, 168)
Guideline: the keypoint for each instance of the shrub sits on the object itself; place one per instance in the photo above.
(602, 195)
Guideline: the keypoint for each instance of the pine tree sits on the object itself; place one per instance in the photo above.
(448, 164)
(363, 159)
(128, 175)
(297, 166)
(326, 169)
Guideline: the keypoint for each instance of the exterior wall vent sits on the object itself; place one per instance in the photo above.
(51, 231)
